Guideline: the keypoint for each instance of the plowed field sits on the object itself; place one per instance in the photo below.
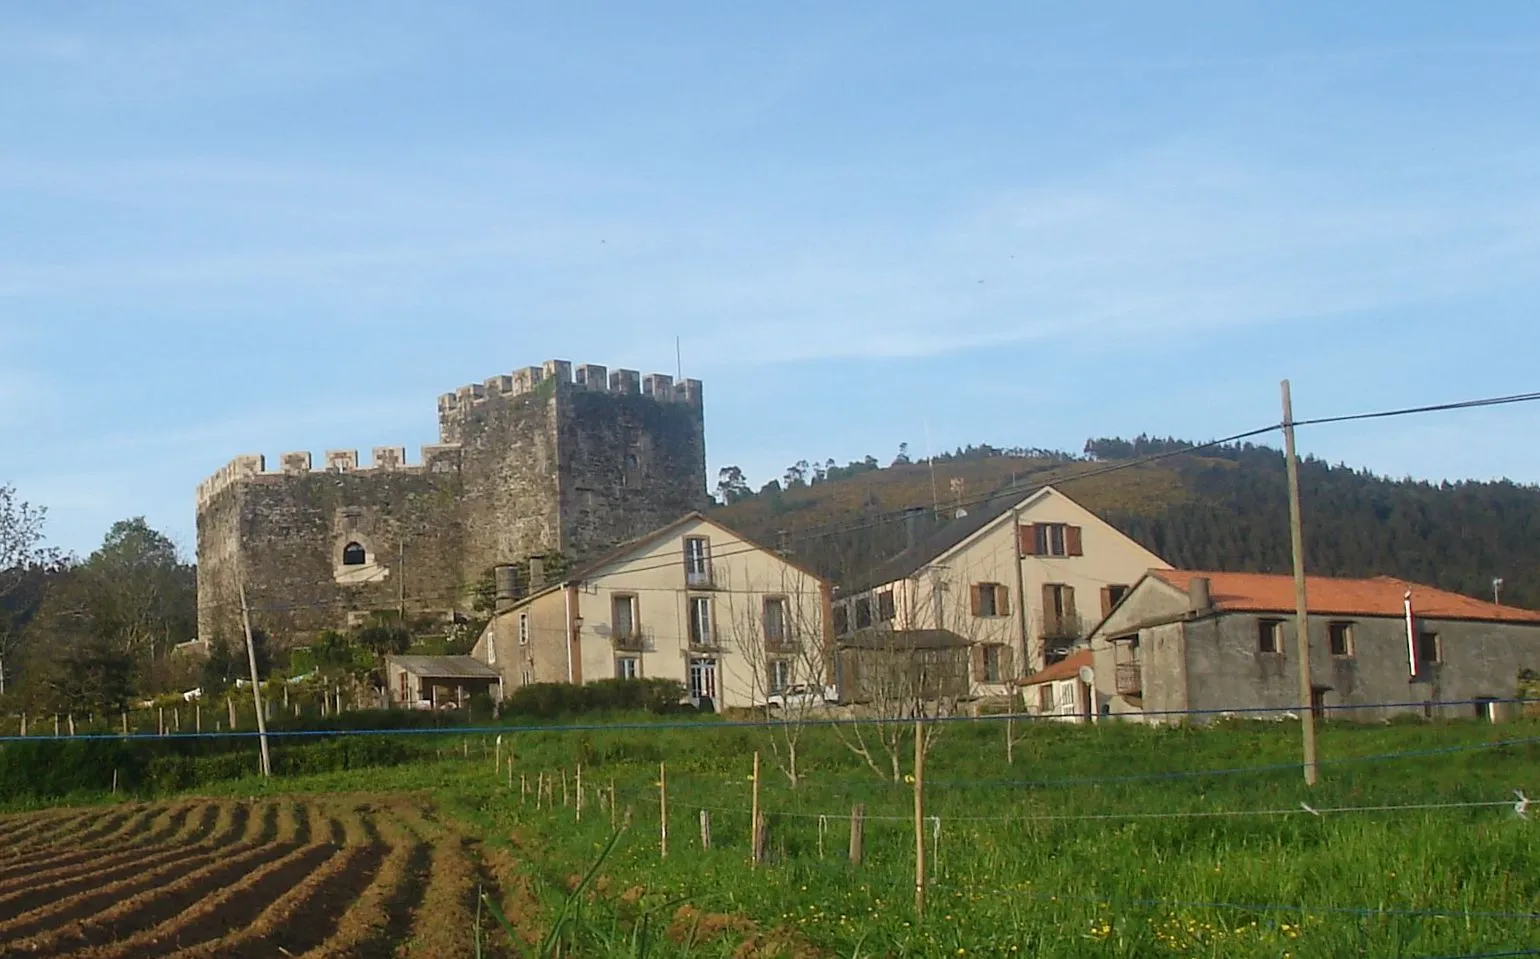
(322, 876)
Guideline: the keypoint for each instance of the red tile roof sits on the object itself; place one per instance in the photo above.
(1066, 668)
(1380, 596)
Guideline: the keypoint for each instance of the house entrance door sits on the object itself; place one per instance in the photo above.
(703, 680)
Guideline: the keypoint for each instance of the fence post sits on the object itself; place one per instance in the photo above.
(756, 842)
(523, 786)
(539, 788)
(857, 833)
(197, 717)
(662, 811)
(125, 723)
(176, 719)
(230, 701)
(1010, 740)
(579, 817)
(24, 724)
(823, 827)
(564, 787)
(705, 829)
(56, 725)
(160, 720)
(919, 819)
(612, 802)
(71, 718)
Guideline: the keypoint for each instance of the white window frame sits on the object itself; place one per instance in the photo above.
(784, 634)
(629, 600)
(697, 562)
(785, 668)
(636, 667)
(700, 623)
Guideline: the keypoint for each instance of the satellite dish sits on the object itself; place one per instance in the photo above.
(1087, 675)
(602, 629)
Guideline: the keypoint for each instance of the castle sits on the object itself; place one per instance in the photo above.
(549, 458)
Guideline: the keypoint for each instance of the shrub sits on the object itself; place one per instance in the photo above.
(550, 700)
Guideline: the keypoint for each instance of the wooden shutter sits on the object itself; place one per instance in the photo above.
(1050, 618)
(975, 598)
(978, 663)
(1106, 601)
(1002, 601)
(1069, 602)
(1007, 663)
(1026, 537)
(1073, 542)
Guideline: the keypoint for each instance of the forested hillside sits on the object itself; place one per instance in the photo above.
(1225, 508)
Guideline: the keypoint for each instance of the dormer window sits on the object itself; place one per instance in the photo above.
(353, 555)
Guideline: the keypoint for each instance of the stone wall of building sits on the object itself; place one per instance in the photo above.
(544, 459)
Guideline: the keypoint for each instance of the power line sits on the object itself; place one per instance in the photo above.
(1412, 410)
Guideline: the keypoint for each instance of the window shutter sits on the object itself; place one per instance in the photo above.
(975, 598)
(1007, 662)
(1073, 544)
(1106, 601)
(978, 663)
(1069, 602)
(1002, 601)
(1026, 537)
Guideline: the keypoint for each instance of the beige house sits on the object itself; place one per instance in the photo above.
(692, 601)
(1022, 577)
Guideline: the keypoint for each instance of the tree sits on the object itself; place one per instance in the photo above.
(902, 459)
(777, 627)
(732, 485)
(25, 565)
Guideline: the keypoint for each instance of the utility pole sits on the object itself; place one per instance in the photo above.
(256, 687)
(1021, 596)
(1301, 604)
(1497, 589)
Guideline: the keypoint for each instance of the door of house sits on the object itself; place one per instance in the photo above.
(703, 680)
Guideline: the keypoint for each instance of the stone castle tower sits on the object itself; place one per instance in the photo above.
(546, 459)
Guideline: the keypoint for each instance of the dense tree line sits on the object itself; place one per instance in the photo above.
(1232, 515)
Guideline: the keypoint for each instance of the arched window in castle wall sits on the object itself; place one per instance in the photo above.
(353, 555)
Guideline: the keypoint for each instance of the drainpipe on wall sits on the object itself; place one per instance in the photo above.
(1411, 636)
(567, 592)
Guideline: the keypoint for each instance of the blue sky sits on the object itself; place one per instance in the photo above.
(234, 227)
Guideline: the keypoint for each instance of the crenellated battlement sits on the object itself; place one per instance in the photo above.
(434, 458)
(587, 377)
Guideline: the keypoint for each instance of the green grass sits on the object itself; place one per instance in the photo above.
(1006, 880)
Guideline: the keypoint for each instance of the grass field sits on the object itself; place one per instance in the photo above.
(1103, 841)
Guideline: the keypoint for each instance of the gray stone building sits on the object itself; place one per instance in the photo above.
(1214, 642)
(547, 459)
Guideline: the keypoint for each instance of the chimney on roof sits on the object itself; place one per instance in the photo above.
(1198, 600)
(536, 574)
(507, 588)
(911, 517)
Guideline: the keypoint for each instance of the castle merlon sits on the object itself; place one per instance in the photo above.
(434, 458)
(588, 377)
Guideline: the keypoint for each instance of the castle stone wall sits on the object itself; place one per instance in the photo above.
(545, 458)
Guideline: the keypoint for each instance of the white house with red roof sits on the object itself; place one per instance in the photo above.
(1201, 644)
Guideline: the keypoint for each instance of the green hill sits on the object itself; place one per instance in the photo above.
(1223, 508)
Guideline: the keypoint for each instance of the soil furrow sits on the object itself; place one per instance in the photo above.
(205, 916)
(38, 907)
(307, 914)
(276, 840)
(371, 927)
(442, 925)
(68, 865)
(45, 830)
(133, 829)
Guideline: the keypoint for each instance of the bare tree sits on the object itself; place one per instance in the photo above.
(778, 629)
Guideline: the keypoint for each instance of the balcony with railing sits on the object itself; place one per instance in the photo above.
(699, 576)
(784, 642)
(1129, 679)
(630, 640)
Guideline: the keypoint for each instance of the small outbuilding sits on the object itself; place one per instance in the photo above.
(1060, 691)
(875, 665)
(432, 682)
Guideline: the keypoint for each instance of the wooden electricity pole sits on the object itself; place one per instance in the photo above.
(1301, 603)
(256, 687)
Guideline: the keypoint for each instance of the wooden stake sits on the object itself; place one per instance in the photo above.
(579, 792)
(256, 684)
(662, 811)
(24, 724)
(197, 717)
(539, 789)
(857, 833)
(612, 802)
(823, 827)
(1301, 602)
(176, 719)
(705, 829)
(919, 819)
(756, 844)
(56, 725)
(160, 720)
(1010, 740)
(125, 723)
(71, 718)
(564, 787)
(523, 787)
(114, 782)
(230, 702)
